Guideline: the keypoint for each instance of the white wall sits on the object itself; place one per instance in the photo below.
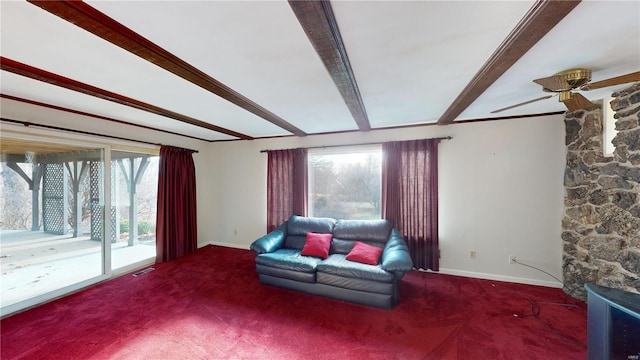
(501, 193)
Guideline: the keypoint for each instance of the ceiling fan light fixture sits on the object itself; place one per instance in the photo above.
(577, 102)
(564, 82)
(565, 96)
(576, 77)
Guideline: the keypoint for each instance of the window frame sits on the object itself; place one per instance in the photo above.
(341, 151)
(36, 135)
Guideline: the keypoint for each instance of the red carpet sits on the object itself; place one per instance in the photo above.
(209, 305)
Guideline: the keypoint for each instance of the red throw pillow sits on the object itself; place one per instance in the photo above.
(317, 245)
(363, 253)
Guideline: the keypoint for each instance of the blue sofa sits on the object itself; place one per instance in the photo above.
(279, 261)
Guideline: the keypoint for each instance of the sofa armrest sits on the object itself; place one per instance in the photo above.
(395, 257)
(270, 242)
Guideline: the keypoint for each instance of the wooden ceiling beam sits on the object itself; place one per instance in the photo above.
(319, 23)
(58, 80)
(90, 19)
(539, 20)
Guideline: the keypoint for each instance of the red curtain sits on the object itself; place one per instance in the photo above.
(176, 225)
(410, 196)
(286, 185)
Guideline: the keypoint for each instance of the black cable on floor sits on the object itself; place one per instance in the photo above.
(535, 313)
(535, 306)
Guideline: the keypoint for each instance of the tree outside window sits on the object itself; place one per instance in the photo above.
(345, 184)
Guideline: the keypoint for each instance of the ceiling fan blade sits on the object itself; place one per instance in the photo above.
(522, 103)
(618, 80)
(553, 83)
(577, 102)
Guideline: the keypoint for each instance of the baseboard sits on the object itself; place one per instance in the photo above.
(225, 244)
(470, 274)
(514, 279)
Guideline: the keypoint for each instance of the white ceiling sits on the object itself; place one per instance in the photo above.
(411, 59)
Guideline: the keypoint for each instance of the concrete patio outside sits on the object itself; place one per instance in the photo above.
(33, 263)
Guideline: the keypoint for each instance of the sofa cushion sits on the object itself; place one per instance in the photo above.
(295, 241)
(355, 284)
(288, 259)
(286, 274)
(299, 226)
(367, 231)
(363, 253)
(336, 264)
(317, 245)
(339, 246)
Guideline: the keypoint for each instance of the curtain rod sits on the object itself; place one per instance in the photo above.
(360, 144)
(27, 124)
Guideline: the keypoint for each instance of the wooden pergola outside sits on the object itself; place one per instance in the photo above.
(57, 176)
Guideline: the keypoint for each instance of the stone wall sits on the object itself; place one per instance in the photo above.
(601, 225)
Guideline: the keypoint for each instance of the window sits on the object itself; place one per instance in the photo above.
(52, 221)
(133, 200)
(345, 184)
(58, 215)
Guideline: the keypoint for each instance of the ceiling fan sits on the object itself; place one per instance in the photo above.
(564, 83)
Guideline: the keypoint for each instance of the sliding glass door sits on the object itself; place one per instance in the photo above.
(53, 223)
(134, 192)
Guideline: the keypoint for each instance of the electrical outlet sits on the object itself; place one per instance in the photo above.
(512, 259)
(472, 254)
